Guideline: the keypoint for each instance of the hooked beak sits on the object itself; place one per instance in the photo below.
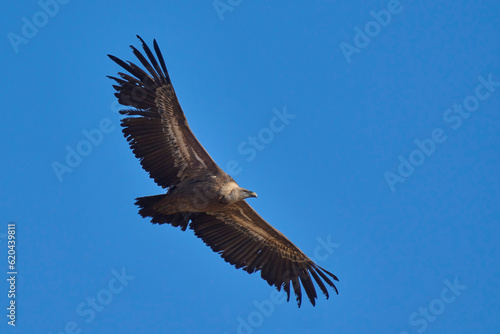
(252, 194)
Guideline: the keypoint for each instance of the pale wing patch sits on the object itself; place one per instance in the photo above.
(242, 213)
(198, 158)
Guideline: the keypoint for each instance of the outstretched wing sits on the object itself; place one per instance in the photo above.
(156, 128)
(247, 241)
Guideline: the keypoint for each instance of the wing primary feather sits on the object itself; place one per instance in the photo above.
(286, 287)
(131, 67)
(278, 272)
(319, 281)
(129, 78)
(120, 81)
(162, 62)
(145, 78)
(297, 290)
(145, 63)
(120, 62)
(329, 273)
(308, 284)
(152, 59)
(327, 280)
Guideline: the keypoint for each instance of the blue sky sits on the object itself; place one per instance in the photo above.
(384, 171)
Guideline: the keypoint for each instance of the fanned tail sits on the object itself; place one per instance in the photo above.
(147, 209)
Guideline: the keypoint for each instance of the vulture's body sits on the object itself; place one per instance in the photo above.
(200, 194)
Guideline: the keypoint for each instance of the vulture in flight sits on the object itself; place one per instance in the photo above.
(199, 194)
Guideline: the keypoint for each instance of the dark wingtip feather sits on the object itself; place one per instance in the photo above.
(286, 287)
(297, 290)
(145, 63)
(327, 280)
(115, 59)
(121, 63)
(320, 283)
(329, 273)
(140, 39)
(162, 61)
(113, 78)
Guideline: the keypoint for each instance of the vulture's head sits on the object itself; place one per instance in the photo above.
(238, 194)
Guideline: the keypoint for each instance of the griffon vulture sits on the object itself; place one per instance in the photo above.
(199, 193)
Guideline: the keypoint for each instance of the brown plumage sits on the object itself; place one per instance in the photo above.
(200, 194)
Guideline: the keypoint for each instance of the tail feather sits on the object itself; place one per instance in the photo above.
(146, 205)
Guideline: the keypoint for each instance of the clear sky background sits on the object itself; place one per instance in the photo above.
(385, 171)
